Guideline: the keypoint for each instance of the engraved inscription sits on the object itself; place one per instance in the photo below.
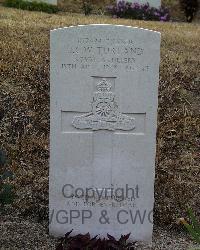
(104, 114)
(103, 53)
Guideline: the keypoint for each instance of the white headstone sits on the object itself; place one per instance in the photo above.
(152, 3)
(54, 2)
(104, 90)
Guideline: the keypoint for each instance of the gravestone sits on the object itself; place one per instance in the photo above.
(104, 90)
(152, 3)
(54, 2)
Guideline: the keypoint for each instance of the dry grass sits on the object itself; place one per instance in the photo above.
(24, 129)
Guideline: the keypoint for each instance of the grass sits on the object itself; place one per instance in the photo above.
(24, 96)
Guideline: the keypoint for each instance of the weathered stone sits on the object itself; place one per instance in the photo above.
(104, 87)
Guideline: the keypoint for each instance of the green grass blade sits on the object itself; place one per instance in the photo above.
(195, 224)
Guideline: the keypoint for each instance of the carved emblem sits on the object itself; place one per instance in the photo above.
(104, 114)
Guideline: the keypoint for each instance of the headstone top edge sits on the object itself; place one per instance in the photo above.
(105, 25)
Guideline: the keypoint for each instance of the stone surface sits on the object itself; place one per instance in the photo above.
(104, 87)
(152, 3)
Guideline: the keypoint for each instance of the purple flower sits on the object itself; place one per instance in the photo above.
(156, 13)
(146, 6)
(162, 18)
(140, 11)
(135, 6)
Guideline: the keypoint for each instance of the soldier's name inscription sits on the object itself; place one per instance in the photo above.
(122, 56)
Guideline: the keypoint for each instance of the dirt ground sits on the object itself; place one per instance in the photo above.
(17, 233)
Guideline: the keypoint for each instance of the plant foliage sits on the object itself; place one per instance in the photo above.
(32, 6)
(129, 10)
(194, 227)
(190, 7)
(6, 189)
(85, 242)
(87, 7)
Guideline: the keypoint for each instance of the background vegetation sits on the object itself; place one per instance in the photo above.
(99, 6)
(31, 5)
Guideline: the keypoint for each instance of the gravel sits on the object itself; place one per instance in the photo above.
(18, 233)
